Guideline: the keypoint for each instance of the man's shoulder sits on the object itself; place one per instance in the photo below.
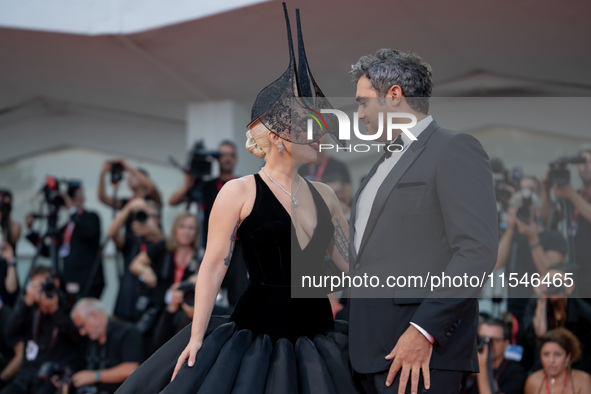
(120, 329)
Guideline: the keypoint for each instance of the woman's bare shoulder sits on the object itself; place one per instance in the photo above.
(532, 384)
(237, 186)
(328, 195)
(582, 376)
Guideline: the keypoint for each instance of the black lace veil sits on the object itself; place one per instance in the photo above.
(291, 105)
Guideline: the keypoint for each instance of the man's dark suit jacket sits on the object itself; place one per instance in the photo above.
(84, 247)
(435, 212)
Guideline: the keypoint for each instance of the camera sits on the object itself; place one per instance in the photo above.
(64, 376)
(139, 216)
(51, 368)
(481, 342)
(54, 187)
(559, 173)
(525, 212)
(116, 172)
(188, 289)
(49, 288)
(199, 163)
(503, 177)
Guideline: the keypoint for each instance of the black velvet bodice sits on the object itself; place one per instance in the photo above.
(271, 251)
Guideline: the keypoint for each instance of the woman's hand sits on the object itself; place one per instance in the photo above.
(190, 352)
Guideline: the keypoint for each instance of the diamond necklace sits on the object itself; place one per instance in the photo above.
(293, 201)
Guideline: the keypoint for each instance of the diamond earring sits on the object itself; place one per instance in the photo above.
(280, 147)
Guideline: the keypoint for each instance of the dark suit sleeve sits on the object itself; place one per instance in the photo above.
(466, 196)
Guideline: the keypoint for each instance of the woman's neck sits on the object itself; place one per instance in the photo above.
(282, 170)
(557, 379)
(184, 249)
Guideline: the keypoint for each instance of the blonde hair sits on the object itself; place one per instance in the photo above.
(257, 140)
(171, 242)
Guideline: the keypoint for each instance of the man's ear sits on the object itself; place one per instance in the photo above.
(394, 96)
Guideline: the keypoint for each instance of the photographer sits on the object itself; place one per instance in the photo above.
(49, 334)
(138, 181)
(581, 216)
(140, 220)
(78, 244)
(508, 376)
(10, 233)
(114, 349)
(166, 264)
(526, 248)
(555, 308)
(206, 192)
(178, 313)
(11, 349)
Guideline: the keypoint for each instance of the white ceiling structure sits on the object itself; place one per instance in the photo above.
(151, 58)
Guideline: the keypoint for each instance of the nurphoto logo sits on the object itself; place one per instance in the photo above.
(344, 132)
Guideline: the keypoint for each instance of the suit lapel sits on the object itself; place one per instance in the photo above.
(353, 216)
(391, 180)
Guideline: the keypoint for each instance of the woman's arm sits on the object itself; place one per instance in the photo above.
(338, 250)
(226, 215)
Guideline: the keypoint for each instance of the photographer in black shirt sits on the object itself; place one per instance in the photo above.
(581, 219)
(50, 336)
(78, 245)
(138, 181)
(526, 248)
(135, 228)
(113, 352)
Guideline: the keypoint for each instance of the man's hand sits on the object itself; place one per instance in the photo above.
(411, 354)
(84, 378)
(33, 294)
(106, 167)
(565, 191)
(529, 230)
(483, 359)
(149, 277)
(7, 252)
(29, 220)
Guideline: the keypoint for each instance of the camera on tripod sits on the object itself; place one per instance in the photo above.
(559, 173)
(200, 159)
(53, 189)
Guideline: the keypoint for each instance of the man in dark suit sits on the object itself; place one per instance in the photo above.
(429, 208)
(78, 245)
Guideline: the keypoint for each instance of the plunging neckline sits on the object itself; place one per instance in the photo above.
(289, 216)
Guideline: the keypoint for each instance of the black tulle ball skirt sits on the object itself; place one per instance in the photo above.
(235, 361)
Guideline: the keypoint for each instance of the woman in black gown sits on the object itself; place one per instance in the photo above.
(272, 343)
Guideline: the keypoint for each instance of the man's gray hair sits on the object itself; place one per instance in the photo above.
(388, 67)
(86, 305)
